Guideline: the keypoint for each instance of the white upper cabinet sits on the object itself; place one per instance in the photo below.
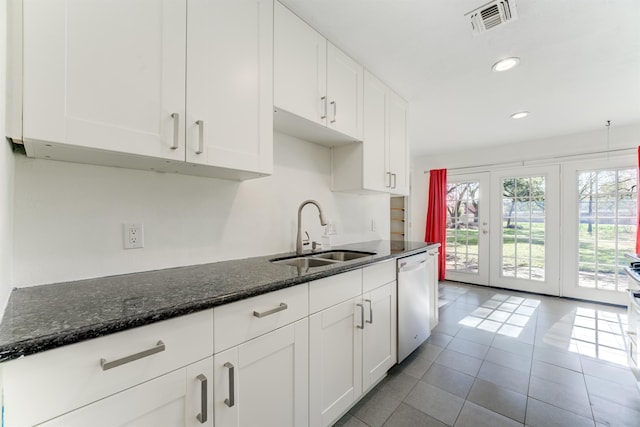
(381, 162)
(144, 84)
(344, 93)
(106, 74)
(300, 67)
(397, 145)
(229, 119)
(314, 80)
(375, 162)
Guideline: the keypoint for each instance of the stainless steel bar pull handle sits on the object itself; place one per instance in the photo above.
(394, 180)
(388, 183)
(200, 149)
(361, 325)
(335, 111)
(324, 107)
(176, 130)
(232, 392)
(202, 416)
(412, 267)
(281, 307)
(370, 321)
(115, 363)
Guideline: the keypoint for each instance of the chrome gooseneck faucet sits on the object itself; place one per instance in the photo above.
(323, 221)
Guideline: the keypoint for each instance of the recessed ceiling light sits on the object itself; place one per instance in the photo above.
(520, 115)
(505, 64)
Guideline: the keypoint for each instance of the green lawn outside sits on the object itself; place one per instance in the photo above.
(520, 236)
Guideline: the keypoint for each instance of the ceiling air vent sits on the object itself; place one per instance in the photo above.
(492, 15)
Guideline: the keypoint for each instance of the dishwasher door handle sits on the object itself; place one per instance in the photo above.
(411, 267)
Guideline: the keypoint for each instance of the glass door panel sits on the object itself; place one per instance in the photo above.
(467, 254)
(523, 230)
(526, 240)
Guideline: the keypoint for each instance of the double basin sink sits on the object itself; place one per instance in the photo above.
(320, 259)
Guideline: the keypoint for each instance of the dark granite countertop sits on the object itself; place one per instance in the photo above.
(44, 317)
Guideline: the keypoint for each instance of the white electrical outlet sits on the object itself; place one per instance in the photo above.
(133, 236)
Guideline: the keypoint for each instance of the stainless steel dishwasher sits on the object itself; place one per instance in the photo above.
(413, 304)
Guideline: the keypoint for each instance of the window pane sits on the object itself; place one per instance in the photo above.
(462, 226)
(523, 230)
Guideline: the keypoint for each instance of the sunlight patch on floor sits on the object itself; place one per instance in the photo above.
(502, 314)
(600, 334)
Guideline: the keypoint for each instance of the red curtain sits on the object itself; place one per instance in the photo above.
(638, 208)
(436, 230)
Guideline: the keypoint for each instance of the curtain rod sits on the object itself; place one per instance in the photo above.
(542, 160)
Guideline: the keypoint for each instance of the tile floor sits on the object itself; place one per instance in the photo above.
(502, 358)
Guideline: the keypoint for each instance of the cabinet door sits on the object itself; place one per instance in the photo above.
(106, 74)
(398, 145)
(300, 67)
(344, 93)
(167, 400)
(379, 345)
(432, 284)
(230, 84)
(375, 164)
(335, 361)
(263, 382)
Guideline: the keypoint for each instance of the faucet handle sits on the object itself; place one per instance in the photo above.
(305, 242)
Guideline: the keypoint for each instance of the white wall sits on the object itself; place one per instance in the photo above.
(68, 217)
(621, 137)
(6, 177)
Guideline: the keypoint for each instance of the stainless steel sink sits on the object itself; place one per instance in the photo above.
(341, 255)
(321, 259)
(303, 262)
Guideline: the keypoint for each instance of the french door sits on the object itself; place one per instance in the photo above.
(468, 213)
(510, 228)
(503, 229)
(526, 230)
(599, 213)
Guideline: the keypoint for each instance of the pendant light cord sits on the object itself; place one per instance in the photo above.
(608, 125)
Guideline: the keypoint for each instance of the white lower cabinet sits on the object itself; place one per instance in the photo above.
(379, 341)
(432, 283)
(335, 362)
(263, 382)
(295, 357)
(113, 379)
(180, 398)
(352, 344)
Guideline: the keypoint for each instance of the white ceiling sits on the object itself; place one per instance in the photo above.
(580, 65)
